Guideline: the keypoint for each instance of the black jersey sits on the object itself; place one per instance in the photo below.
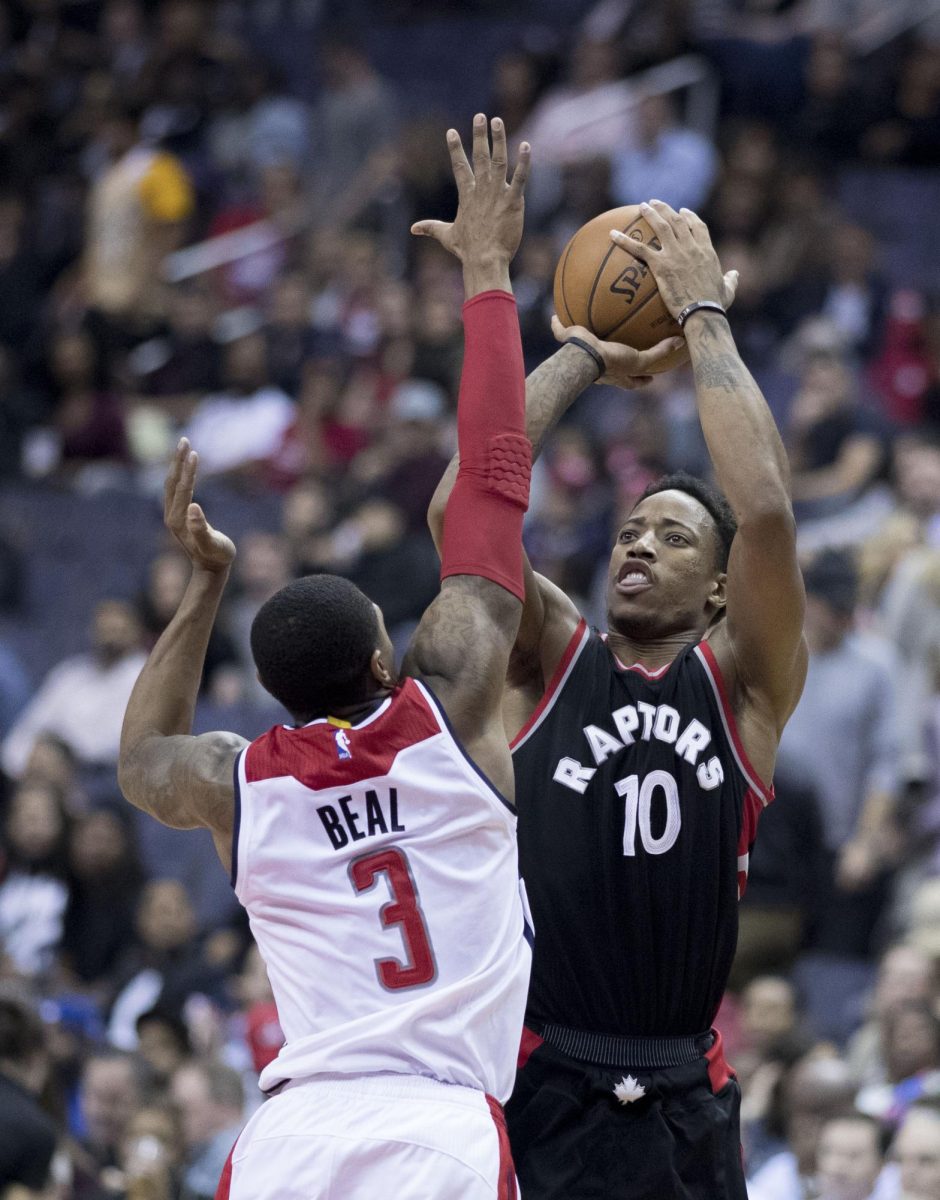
(637, 810)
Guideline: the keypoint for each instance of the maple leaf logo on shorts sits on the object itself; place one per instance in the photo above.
(629, 1089)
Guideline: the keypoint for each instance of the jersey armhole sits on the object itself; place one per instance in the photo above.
(443, 721)
(579, 640)
(706, 657)
(239, 871)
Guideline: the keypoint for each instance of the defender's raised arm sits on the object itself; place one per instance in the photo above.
(463, 642)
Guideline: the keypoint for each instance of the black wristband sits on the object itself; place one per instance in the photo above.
(709, 305)
(583, 345)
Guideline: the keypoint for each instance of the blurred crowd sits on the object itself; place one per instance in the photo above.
(204, 214)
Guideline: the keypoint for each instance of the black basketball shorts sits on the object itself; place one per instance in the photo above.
(583, 1129)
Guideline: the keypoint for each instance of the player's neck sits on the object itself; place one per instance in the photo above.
(350, 714)
(651, 653)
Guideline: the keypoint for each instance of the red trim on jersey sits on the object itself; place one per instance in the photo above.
(313, 755)
(753, 807)
(766, 793)
(553, 683)
(225, 1179)
(647, 674)
(719, 1073)
(506, 1189)
(527, 1046)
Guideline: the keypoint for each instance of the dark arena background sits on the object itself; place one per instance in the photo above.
(204, 230)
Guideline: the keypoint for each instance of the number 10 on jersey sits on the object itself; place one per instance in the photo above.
(638, 811)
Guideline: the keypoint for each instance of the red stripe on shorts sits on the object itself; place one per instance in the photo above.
(527, 1046)
(507, 1171)
(719, 1073)
(225, 1179)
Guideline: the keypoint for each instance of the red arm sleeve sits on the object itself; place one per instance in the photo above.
(485, 510)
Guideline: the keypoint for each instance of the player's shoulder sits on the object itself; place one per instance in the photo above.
(328, 752)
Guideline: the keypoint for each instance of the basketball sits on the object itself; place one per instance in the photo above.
(608, 291)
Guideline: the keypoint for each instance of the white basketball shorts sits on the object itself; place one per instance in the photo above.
(368, 1137)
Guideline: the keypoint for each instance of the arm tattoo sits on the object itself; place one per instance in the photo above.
(551, 389)
(722, 371)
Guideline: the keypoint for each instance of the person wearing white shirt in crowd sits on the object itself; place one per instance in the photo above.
(669, 161)
(917, 1150)
(82, 699)
(815, 1090)
(850, 1161)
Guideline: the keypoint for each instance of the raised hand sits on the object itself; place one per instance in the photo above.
(205, 547)
(684, 264)
(491, 208)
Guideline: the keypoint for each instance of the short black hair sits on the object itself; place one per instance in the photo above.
(170, 1021)
(726, 526)
(832, 575)
(312, 643)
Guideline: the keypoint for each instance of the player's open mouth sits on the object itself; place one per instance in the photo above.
(633, 578)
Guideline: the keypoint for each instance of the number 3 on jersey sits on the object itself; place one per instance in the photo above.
(638, 810)
(403, 910)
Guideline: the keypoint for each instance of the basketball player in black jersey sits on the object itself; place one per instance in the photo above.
(643, 759)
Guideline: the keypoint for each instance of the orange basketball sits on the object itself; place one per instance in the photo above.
(608, 291)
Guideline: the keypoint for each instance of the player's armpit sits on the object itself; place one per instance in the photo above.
(185, 782)
(549, 619)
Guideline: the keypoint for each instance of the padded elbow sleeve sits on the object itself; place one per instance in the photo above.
(485, 511)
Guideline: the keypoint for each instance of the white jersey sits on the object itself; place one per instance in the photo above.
(379, 870)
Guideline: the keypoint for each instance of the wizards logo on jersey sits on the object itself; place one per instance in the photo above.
(341, 737)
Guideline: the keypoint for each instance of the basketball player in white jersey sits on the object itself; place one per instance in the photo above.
(372, 841)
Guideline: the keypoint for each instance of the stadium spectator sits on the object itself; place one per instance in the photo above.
(82, 700)
(837, 448)
(210, 1099)
(166, 966)
(917, 1149)
(27, 1134)
(111, 1091)
(668, 161)
(849, 1159)
(164, 1044)
(815, 1090)
(33, 891)
(354, 118)
(136, 210)
(844, 729)
(151, 1154)
(104, 882)
(905, 976)
(243, 425)
(788, 863)
(167, 577)
(911, 1041)
(88, 420)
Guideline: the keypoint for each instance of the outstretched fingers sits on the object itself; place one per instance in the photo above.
(463, 175)
(500, 156)
(521, 171)
(481, 147)
(432, 229)
(180, 482)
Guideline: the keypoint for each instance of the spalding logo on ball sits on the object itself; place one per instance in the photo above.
(600, 286)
